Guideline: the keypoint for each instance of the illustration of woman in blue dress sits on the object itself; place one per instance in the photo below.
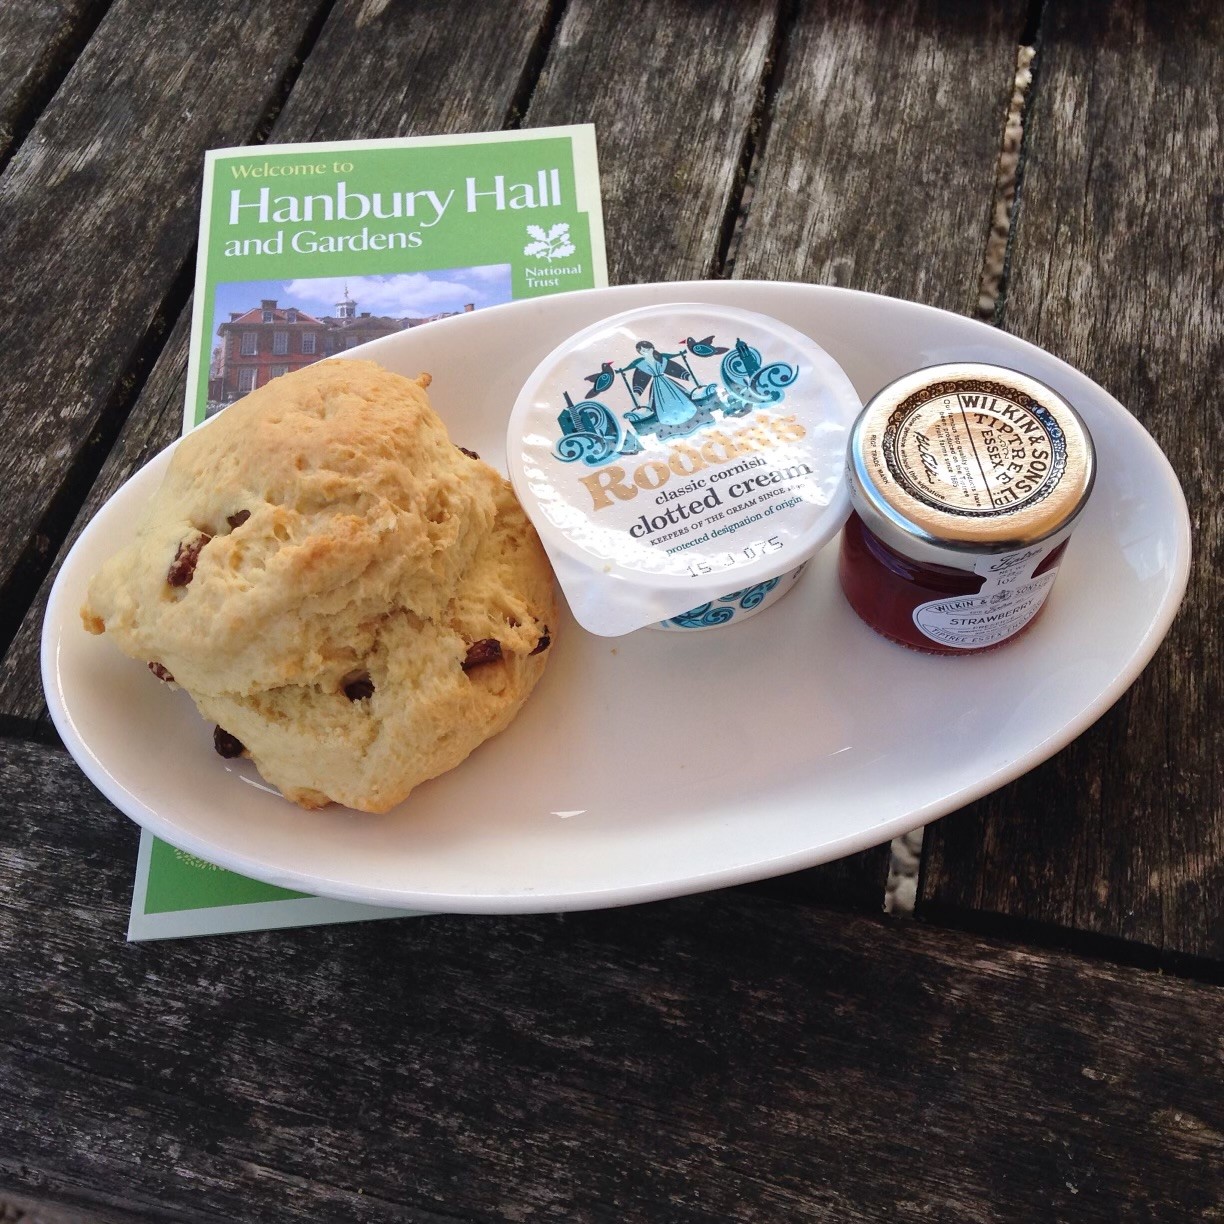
(670, 403)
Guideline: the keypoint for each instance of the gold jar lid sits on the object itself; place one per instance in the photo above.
(967, 458)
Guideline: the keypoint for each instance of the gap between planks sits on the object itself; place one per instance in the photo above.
(905, 857)
(55, 70)
(533, 68)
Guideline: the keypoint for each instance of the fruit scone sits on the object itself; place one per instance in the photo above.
(355, 601)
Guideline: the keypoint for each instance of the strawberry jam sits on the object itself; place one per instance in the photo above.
(966, 481)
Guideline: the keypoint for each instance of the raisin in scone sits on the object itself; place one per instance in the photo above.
(356, 601)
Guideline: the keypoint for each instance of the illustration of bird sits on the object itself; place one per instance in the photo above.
(603, 380)
(703, 348)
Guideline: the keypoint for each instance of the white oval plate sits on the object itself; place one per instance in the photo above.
(659, 764)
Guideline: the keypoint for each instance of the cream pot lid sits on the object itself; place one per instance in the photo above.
(670, 454)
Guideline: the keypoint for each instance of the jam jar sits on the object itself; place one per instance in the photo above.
(966, 481)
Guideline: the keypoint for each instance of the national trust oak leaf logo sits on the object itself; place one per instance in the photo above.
(551, 244)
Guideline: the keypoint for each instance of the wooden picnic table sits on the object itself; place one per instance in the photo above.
(1044, 1040)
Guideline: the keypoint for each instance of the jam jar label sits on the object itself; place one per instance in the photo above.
(974, 447)
(1010, 597)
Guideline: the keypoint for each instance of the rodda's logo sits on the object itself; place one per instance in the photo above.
(613, 483)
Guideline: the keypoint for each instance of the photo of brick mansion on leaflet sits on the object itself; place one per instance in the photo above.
(266, 341)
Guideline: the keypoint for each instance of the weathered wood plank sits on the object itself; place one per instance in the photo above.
(100, 211)
(21, 1210)
(424, 67)
(856, 882)
(672, 87)
(474, 67)
(38, 41)
(1118, 266)
(722, 1058)
(898, 206)
(674, 127)
(152, 425)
